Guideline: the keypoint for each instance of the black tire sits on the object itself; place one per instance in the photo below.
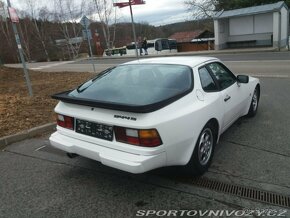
(254, 103)
(200, 162)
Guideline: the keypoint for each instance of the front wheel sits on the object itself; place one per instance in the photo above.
(254, 103)
(203, 152)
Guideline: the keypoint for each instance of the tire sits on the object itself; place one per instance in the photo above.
(203, 152)
(254, 103)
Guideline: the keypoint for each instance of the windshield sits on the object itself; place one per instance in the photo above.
(137, 85)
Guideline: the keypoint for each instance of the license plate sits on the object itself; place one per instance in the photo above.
(96, 130)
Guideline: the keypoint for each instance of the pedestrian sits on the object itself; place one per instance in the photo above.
(140, 45)
(145, 45)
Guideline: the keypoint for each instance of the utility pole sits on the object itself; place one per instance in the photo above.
(130, 3)
(85, 22)
(90, 47)
(134, 31)
(15, 19)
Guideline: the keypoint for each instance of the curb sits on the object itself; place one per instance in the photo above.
(196, 53)
(7, 140)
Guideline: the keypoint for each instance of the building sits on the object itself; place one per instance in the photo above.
(194, 40)
(265, 25)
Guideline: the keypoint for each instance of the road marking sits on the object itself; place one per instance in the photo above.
(255, 61)
(51, 65)
(271, 76)
(40, 148)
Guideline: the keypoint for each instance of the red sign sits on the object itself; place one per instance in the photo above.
(13, 15)
(132, 2)
(137, 2)
(121, 4)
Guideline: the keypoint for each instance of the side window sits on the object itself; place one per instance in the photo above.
(224, 77)
(206, 80)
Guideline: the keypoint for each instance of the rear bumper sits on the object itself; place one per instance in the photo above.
(113, 158)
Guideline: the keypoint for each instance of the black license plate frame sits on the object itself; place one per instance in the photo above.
(97, 130)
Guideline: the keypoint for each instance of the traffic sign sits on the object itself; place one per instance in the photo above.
(87, 34)
(121, 4)
(130, 2)
(13, 15)
(85, 22)
(137, 2)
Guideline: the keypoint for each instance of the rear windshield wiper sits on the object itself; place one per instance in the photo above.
(99, 76)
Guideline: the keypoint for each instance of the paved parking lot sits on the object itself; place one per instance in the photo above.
(39, 181)
(259, 63)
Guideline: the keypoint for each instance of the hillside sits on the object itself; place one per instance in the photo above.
(62, 41)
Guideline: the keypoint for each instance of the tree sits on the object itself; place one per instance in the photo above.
(67, 14)
(25, 29)
(207, 8)
(7, 45)
(107, 15)
(236, 4)
(31, 8)
(202, 8)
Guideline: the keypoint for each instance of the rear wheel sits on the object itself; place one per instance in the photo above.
(254, 103)
(203, 152)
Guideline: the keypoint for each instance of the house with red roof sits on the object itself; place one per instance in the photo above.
(197, 40)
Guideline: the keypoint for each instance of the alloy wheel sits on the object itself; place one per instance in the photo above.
(205, 146)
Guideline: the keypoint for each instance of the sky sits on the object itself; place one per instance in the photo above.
(158, 12)
(154, 12)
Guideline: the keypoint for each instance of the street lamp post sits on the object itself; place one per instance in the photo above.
(130, 3)
(134, 31)
(14, 19)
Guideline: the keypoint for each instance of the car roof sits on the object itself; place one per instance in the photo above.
(189, 61)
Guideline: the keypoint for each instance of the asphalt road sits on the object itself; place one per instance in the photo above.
(39, 181)
(261, 64)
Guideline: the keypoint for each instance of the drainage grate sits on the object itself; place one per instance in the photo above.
(244, 192)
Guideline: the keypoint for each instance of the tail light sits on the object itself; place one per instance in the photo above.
(65, 121)
(144, 138)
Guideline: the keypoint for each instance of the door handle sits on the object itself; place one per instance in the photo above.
(227, 98)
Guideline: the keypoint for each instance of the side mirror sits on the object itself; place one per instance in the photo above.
(242, 79)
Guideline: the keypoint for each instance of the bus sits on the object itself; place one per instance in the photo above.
(159, 46)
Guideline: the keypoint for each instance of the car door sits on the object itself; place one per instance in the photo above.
(231, 93)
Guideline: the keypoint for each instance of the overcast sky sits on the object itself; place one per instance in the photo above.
(154, 12)
(158, 12)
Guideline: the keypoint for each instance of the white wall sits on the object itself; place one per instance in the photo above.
(263, 23)
(280, 28)
(257, 36)
(241, 25)
(276, 35)
(221, 31)
(261, 27)
(284, 26)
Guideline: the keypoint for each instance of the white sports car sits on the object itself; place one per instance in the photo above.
(153, 113)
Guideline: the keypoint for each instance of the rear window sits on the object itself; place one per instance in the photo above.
(137, 85)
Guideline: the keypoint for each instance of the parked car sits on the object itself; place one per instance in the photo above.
(152, 113)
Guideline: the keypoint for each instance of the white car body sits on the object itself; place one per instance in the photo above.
(179, 124)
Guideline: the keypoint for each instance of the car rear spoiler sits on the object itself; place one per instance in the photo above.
(64, 97)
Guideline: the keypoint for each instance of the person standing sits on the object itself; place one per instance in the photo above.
(145, 45)
(140, 45)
